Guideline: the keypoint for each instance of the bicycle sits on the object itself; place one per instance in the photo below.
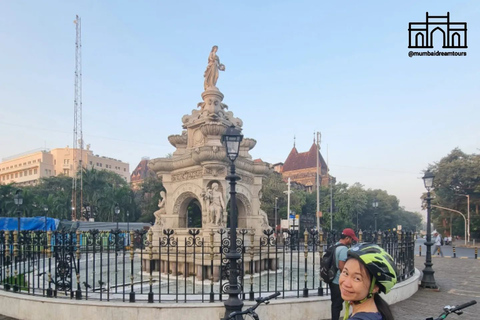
(453, 309)
(250, 312)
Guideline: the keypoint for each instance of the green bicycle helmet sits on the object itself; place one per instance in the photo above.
(378, 262)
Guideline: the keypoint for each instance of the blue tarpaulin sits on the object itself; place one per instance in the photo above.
(32, 224)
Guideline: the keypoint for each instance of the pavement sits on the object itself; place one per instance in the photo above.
(458, 281)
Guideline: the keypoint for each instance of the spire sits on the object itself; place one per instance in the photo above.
(294, 141)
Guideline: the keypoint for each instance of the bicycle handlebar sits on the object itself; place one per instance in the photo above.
(251, 310)
(264, 299)
(463, 306)
(448, 310)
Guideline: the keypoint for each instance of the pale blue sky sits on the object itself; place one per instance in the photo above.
(292, 68)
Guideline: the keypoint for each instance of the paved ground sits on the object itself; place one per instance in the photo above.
(459, 282)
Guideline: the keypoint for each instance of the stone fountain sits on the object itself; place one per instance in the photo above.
(195, 176)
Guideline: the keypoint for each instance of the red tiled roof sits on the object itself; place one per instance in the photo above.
(141, 171)
(297, 161)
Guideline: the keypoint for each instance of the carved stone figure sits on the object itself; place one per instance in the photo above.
(211, 73)
(161, 211)
(216, 205)
(265, 224)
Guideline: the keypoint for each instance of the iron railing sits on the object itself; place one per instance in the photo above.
(117, 266)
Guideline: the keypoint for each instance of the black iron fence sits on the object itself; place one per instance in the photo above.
(174, 267)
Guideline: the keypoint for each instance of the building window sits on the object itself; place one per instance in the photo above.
(30, 172)
(16, 175)
(34, 171)
(55, 161)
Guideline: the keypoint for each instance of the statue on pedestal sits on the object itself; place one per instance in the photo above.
(161, 211)
(215, 205)
(211, 73)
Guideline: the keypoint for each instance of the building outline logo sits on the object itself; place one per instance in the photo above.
(421, 33)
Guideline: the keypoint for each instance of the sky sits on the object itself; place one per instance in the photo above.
(292, 68)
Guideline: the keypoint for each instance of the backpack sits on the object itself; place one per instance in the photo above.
(328, 266)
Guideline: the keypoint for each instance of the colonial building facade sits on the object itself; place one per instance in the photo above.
(28, 168)
(301, 168)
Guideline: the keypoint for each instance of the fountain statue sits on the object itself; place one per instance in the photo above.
(194, 177)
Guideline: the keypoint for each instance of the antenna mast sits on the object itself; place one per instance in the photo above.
(77, 186)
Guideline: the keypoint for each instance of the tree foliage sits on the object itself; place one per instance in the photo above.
(348, 202)
(456, 176)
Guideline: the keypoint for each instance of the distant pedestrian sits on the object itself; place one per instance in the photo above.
(437, 245)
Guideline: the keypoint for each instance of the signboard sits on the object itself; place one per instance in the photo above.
(319, 214)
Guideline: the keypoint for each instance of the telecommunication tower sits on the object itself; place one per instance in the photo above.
(77, 186)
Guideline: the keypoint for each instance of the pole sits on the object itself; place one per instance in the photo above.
(276, 225)
(428, 280)
(468, 217)
(331, 192)
(288, 202)
(318, 183)
(464, 219)
(233, 303)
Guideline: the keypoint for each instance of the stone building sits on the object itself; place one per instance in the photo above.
(29, 167)
(301, 168)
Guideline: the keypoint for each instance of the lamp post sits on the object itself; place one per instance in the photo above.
(375, 205)
(117, 213)
(45, 208)
(428, 280)
(231, 140)
(18, 200)
(468, 217)
(276, 208)
(128, 222)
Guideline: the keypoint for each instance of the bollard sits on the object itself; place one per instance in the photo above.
(419, 251)
(476, 252)
(454, 253)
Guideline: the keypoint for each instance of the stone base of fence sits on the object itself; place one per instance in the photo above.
(21, 306)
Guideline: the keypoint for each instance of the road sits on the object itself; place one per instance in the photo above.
(461, 251)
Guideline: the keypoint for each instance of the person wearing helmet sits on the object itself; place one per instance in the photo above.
(368, 271)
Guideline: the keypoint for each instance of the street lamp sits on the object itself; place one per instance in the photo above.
(468, 216)
(45, 208)
(128, 221)
(276, 208)
(18, 200)
(231, 140)
(375, 205)
(428, 280)
(117, 212)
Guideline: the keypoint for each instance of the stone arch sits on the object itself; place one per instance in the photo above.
(181, 205)
(244, 210)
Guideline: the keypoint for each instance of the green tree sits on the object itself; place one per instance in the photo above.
(457, 175)
(147, 198)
